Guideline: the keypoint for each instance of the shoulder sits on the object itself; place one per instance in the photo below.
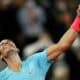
(37, 56)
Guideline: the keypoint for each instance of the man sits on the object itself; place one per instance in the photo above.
(36, 66)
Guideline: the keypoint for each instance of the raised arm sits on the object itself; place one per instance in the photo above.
(66, 40)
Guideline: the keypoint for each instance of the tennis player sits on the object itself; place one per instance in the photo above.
(36, 66)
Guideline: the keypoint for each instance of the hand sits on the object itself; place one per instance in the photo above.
(78, 10)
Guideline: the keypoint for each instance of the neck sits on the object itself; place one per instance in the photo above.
(13, 61)
(16, 68)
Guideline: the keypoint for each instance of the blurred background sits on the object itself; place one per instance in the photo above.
(34, 25)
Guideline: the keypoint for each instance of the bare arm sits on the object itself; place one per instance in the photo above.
(65, 42)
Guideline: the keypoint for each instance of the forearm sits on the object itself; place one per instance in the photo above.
(67, 39)
(65, 42)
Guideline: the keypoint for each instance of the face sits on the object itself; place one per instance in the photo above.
(10, 56)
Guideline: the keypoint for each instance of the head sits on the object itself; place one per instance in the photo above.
(9, 54)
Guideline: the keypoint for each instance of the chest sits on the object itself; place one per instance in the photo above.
(30, 72)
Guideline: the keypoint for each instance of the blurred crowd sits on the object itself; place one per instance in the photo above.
(34, 25)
